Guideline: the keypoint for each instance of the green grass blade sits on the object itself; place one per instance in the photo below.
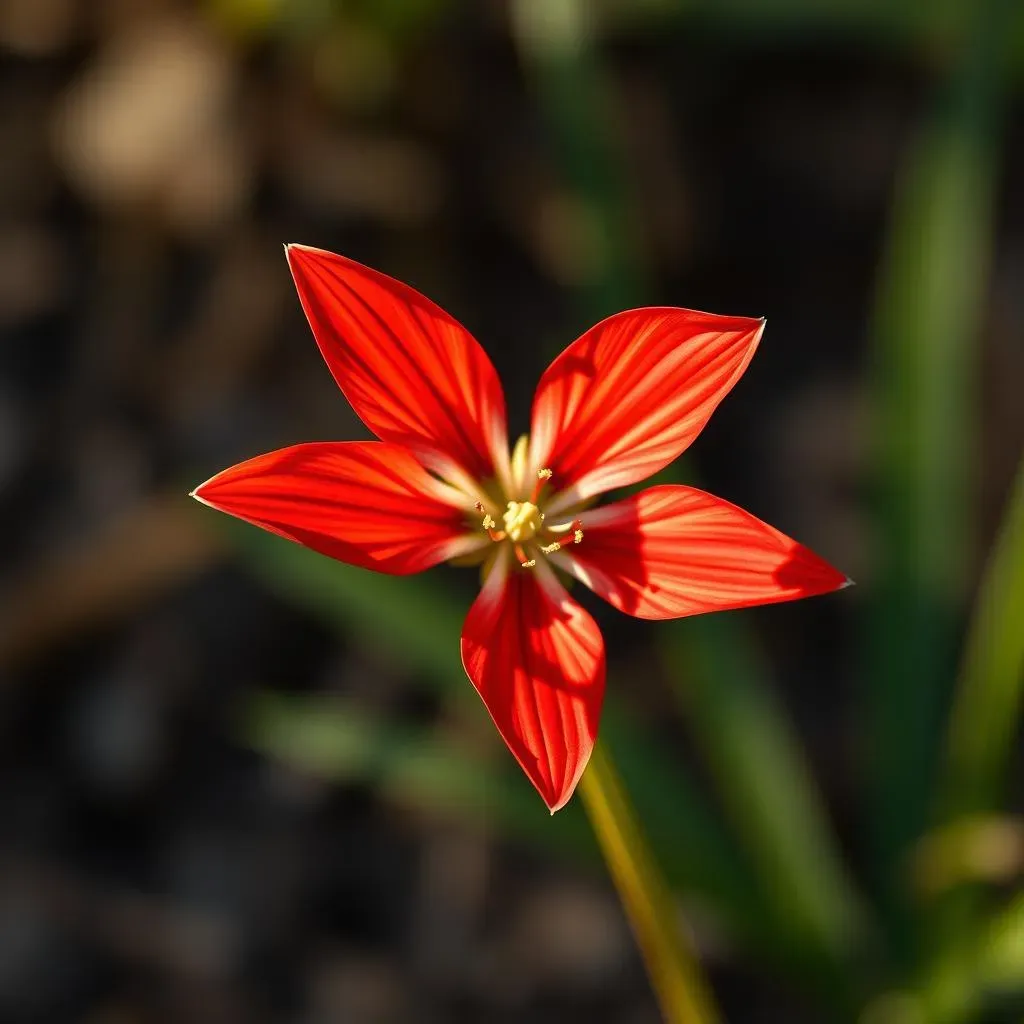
(337, 740)
(768, 791)
(597, 235)
(925, 341)
(987, 705)
(986, 710)
(984, 970)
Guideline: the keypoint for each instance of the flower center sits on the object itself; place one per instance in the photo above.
(523, 520)
(525, 528)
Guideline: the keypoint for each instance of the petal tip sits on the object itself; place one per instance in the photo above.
(847, 583)
(560, 802)
(196, 495)
(197, 491)
(296, 252)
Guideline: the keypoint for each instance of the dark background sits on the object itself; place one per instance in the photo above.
(184, 836)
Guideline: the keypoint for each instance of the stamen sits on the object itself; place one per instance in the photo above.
(577, 537)
(489, 524)
(526, 563)
(543, 475)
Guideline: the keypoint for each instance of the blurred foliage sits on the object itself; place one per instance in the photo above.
(926, 345)
(765, 865)
(988, 699)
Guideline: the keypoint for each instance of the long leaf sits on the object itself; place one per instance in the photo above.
(925, 341)
(337, 740)
(985, 968)
(769, 793)
(987, 707)
(596, 233)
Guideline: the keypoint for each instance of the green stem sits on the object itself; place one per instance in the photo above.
(674, 972)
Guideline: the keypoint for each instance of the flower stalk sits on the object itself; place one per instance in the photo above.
(672, 968)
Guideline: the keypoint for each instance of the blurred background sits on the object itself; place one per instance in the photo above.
(241, 783)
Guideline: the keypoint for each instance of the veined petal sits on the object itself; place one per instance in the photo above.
(413, 374)
(673, 551)
(363, 502)
(537, 660)
(627, 397)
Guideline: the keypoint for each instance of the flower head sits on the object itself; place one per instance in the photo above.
(619, 404)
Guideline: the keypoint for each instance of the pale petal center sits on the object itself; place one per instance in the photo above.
(523, 521)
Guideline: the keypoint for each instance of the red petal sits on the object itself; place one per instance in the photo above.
(413, 374)
(537, 660)
(631, 394)
(674, 551)
(362, 502)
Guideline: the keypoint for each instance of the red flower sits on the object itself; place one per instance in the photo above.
(617, 405)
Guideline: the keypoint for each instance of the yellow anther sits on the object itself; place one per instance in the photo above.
(543, 475)
(526, 563)
(577, 537)
(550, 549)
(522, 520)
(489, 523)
